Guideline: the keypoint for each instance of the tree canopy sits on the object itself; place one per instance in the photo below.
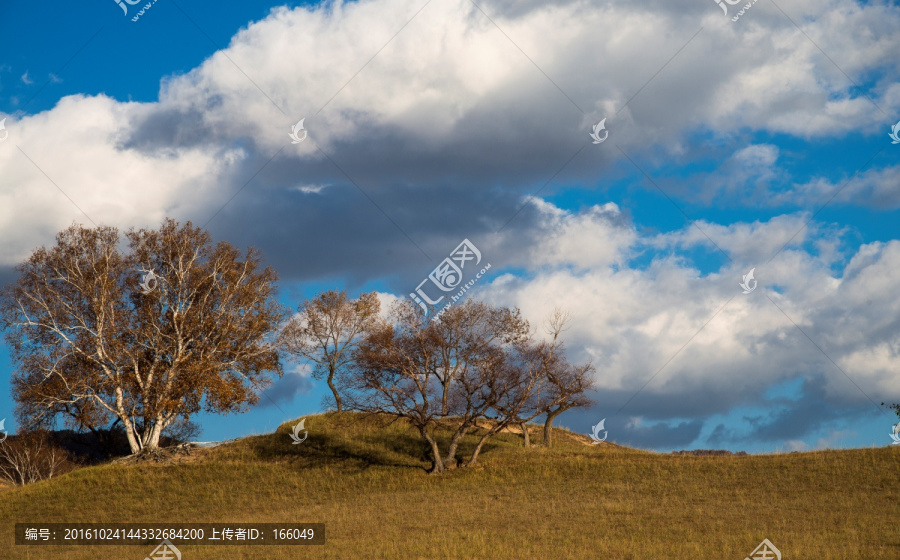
(479, 362)
(325, 331)
(174, 326)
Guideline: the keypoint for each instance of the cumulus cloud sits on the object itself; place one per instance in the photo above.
(68, 160)
(875, 188)
(700, 345)
(449, 113)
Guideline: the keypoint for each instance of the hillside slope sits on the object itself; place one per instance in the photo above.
(365, 479)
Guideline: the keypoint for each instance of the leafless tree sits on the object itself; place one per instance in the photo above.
(555, 385)
(325, 332)
(31, 457)
(566, 385)
(531, 360)
(94, 344)
(462, 334)
(513, 383)
(443, 375)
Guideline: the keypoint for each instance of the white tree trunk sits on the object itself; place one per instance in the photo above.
(151, 437)
(133, 442)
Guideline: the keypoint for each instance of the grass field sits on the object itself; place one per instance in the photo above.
(365, 480)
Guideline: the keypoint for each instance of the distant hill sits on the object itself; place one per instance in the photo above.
(365, 479)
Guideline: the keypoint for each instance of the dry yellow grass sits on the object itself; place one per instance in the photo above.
(365, 480)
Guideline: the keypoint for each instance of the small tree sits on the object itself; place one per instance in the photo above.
(410, 367)
(514, 381)
(566, 388)
(566, 384)
(555, 384)
(31, 457)
(93, 345)
(326, 330)
(531, 358)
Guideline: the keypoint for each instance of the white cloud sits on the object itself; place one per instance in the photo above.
(632, 321)
(310, 189)
(70, 154)
(876, 188)
(428, 92)
(587, 240)
(835, 439)
(387, 300)
(795, 445)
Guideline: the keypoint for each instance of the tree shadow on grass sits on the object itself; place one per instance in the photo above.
(359, 442)
(359, 450)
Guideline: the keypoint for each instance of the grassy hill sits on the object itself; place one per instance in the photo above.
(365, 479)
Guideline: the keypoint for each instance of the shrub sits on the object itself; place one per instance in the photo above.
(31, 457)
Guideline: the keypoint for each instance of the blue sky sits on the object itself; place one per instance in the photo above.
(732, 145)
